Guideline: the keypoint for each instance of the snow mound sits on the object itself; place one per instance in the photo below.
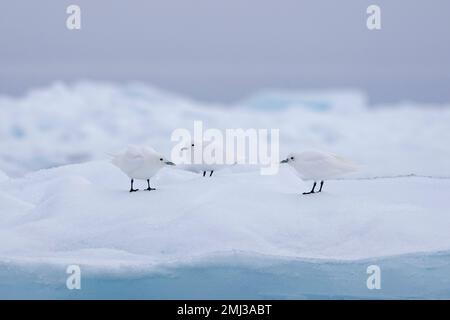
(12, 209)
(84, 214)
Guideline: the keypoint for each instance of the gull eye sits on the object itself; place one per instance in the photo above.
(161, 159)
(192, 145)
(292, 158)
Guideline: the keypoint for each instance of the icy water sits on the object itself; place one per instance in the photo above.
(403, 277)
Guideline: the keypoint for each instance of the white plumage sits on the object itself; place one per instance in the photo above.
(204, 163)
(319, 166)
(140, 162)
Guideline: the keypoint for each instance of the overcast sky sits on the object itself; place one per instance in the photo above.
(225, 49)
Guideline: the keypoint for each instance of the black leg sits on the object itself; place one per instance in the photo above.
(211, 173)
(312, 190)
(131, 189)
(204, 173)
(321, 185)
(149, 188)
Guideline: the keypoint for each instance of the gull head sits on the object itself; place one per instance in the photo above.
(165, 162)
(291, 158)
(189, 146)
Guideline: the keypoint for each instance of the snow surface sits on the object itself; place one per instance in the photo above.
(84, 213)
(62, 202)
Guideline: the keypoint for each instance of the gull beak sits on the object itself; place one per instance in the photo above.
(169, 163)
(184, 148)
(284, 161)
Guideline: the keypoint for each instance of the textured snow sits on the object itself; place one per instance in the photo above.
(85, 214)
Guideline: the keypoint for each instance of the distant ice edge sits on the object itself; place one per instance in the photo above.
(239, 276)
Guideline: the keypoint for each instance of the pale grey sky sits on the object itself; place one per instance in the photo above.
(225, 50)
